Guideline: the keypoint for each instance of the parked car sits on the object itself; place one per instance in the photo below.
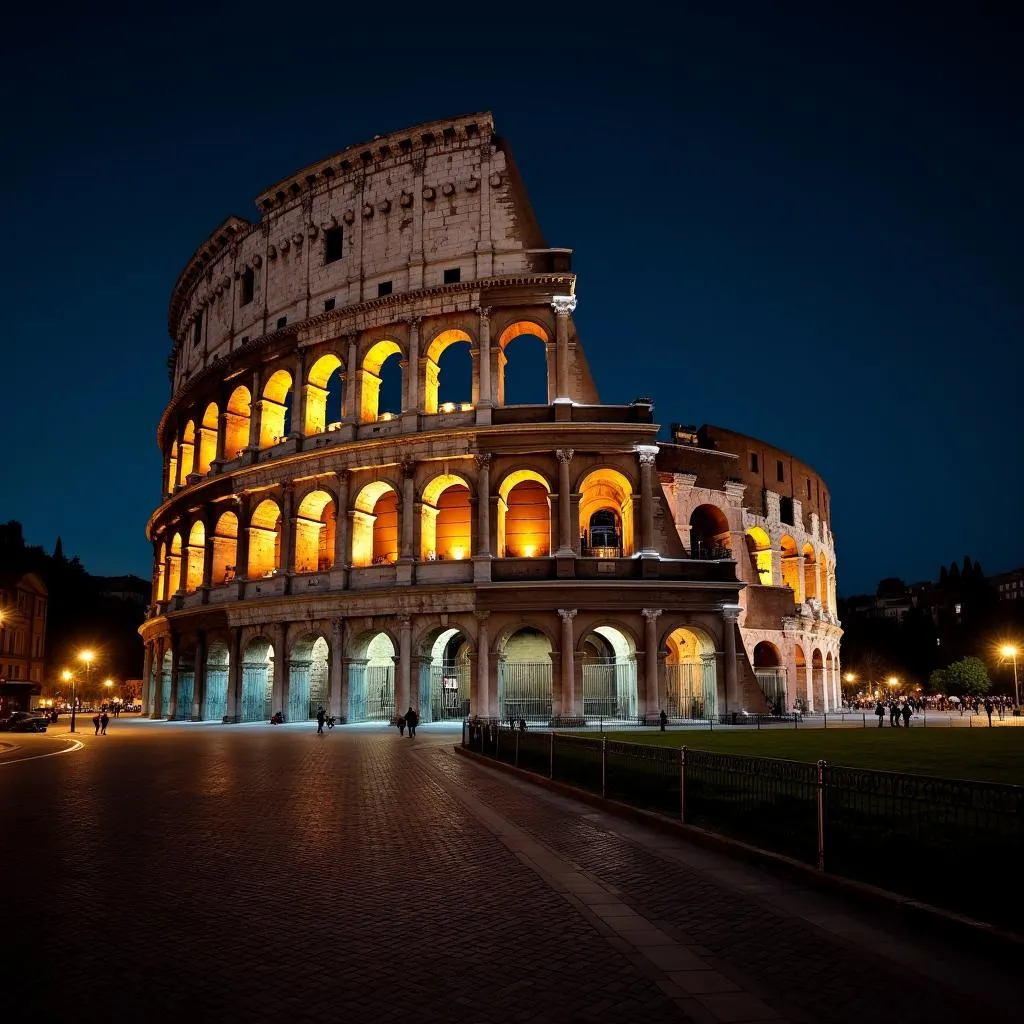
(23, 721)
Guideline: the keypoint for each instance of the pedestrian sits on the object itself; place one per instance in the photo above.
(880, 712)
(907, 712)
(411, 721)
(320, 716)
(104, 722)
(400, 722)
(664, 719)
(988, 710)
(522, 725)
(96, 723)
(894, 715)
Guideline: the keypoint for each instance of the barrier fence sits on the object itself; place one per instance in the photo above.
(950, 843)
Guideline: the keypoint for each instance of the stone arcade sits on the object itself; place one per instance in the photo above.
(340, 526)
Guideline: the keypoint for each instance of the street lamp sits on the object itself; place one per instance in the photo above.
(69, 677)
(1010, 651)
(892, 681)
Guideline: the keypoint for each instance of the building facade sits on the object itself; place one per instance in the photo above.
(23, 601)
(351, 520)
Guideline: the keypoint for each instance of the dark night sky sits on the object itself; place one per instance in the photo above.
(807, 230)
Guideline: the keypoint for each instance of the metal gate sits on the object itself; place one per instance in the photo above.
(691, 689)
(165, 692)
(524, 690)
(773, 685)
(609, 688)
(186, 690)
(216, 705)
(298, 690)
(257, 691)
(371, 693)
(449, 691)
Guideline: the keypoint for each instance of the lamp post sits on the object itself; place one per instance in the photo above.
(1010, 651)
(87, 657)
(69, 677)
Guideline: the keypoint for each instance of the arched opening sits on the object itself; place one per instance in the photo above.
(691, 674)
(307, 678)
(810, 573)
(186, 452)
(323, 395)
(759, 550)
(453, 389)
(816, 696)
(800, 685)
(276, 409)
(524, 515)
(371, 679)
(225, 549)
(159, 577)
(186, 684)
(832, 697)
(381, 383)
(174, 566)
(257, 681)
(208, 439)
(236, 423)
(791, 574)
(215, 703)
(709, 533)
(375, 525)
(525, 676)
(315, 526)
(608, 492)
(264, 540)
(172, 468)
(195, 557)
(608, 660)
(446, 524)
(523, 377)
(445, 671)
(165, 685)
(771, 676)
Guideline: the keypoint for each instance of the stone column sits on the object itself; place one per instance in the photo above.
(733, 698)
(255, 411)
(408, 508)
(563, 305)
(288, 522)
(158, 677)
(483, 495)
(299, 396)
(646, 454)
(568, 701)
(484, 361)
(337, 704)
(482, 705)
(209, 524)
(279, 686)
(650, 701)
(565, 547)
(352, 383)
(199, 678)
(242, 544)
(403, 686)
(412, 388)
(147, 676)
(172, 704)
(342, 541)
(234, 674)
(222, 433)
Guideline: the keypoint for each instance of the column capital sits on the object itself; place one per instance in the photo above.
(568, 614)
(651, 614)
(414, 322)
(564, 455)
(408, 467)
(483, 460)
(482, 311)
(404, 623)
(730, 612)
(481, 617)
(646, 453)
(563, 305)
(337, 625)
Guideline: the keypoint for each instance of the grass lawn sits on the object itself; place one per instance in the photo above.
(991, 755)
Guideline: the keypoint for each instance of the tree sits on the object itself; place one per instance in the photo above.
(967, 676)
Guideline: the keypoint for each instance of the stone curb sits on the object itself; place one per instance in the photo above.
(998, 943)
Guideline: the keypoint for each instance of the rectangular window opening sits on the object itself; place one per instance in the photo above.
(753, 462)
(780, 472)
(808, 490)
(453, 275)
(283, 320)
(334, 248)
(248, 286)
(197, 328)
(384, 288)
(328, 305)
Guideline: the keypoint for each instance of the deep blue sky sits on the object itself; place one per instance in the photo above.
(804, 226)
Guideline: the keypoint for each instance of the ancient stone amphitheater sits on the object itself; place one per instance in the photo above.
(389, 481)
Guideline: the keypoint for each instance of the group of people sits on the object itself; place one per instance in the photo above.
(902, 710)
(407, 721)
(101, 720)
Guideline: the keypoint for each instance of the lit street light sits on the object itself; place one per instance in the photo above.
(1009, 651)
(69, 677)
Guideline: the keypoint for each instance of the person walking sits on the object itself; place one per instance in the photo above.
(104, 722)
(664, 719)
(411, 721)
(96, 723)
(400, 722)
(894, 715)
(880, 712)
(907, 712)
(320, 717)
(988, 711)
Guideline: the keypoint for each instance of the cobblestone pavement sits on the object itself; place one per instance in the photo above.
(258, 873)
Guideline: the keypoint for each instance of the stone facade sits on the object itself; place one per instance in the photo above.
(459, 553)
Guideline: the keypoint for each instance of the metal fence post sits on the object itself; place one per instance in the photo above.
(604, 766)
(551, 761)
(682, 785)
(822, 772)
(517, 748)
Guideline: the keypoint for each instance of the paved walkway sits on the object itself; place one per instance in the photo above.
(263, 873)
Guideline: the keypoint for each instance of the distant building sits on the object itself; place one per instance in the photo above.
(132, 589)
(23, 601)
(1009, 586)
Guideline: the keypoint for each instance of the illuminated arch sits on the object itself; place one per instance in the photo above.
(370, 378)
(791, 574)
(525, 674)
(524, 515)
(324, 377)
(604, 491)
(607, 656)
(375, 524)
(215, 697)
(236, 423)
(195, 557)
(174, 566)
(810, 572)
(691, 674)
(432, 360)
(445, 659)
(315, 526)
(802, 682)
(275, 408)
(709, 531)
(816, 690)
(371, 677)
(208, 439)
(308, 666)
(446, 524)
(264, 540)
(172, 468)
(257, 680)
(159, 574)
(186, 452)
(771, 677)
(225, 549)
(759, 550)
(519, 329)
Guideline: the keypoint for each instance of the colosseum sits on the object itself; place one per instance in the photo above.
(389, 480)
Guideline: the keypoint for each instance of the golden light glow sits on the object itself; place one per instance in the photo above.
(1008, 651)
(608, 489)
(315, 532)
(387, 417)
(850, 677)
(530, 550)
(892, 681)
(466, 407)
(108, 682)
(66, 676)
(87, 657)
(375, 359)
(458, 553)
(448, 407)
